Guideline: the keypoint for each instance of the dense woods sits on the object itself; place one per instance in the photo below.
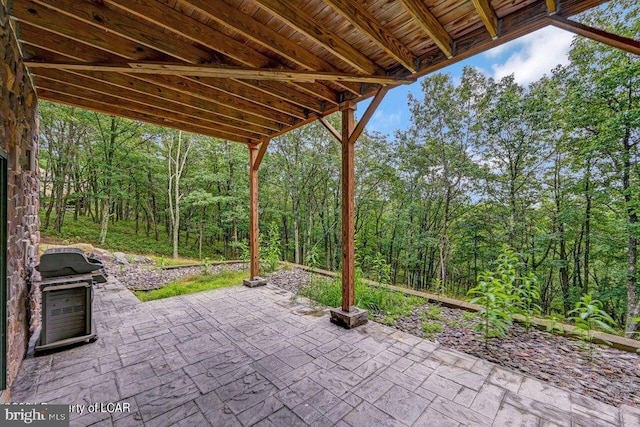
(551, 169)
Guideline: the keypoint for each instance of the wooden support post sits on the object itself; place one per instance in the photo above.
(254, 164)
(253, 208)
(348, 211)
(348, 315)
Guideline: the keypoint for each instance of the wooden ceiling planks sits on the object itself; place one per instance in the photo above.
(249, 70)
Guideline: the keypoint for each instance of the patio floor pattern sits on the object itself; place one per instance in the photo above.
(241, 357)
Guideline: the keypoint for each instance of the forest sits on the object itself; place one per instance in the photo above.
(551, 169)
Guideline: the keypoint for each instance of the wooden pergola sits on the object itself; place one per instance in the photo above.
(250, 70)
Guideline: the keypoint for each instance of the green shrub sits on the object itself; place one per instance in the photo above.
(270, 253)
(588, 316)
(503, 293)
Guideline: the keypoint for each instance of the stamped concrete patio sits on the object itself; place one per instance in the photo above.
(241, 356)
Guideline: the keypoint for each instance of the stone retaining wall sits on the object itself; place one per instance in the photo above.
(19, 139)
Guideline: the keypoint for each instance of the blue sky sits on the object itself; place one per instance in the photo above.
(528, 58)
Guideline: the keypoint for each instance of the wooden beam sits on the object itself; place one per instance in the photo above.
(188, 92)
(121, 25)
(215, 71)
(49, 20)
(430, 25)
(297, 19)
(253, 212)
(129, 89)
(127, 104)
(375, 102)
(232, 106)
(230, 16)
(361, 18)
(120, 32)
(625, 43)
(488, 16)
(323, 120)
(176, 22)
(552, 6)
(348, 209)
(263, 150)
(185, 26)
(115, 110)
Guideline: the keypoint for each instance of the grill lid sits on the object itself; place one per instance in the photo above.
(58, 262)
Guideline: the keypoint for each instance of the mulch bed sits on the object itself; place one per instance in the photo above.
(608, 375)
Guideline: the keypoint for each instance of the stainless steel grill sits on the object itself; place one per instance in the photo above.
(67, 294)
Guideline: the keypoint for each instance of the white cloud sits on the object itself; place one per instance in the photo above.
(385, 122)
(535, 54)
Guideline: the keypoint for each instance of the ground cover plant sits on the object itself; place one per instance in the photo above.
(193, 284)
(376, 299)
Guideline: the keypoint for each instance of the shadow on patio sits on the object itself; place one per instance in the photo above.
(241, 356)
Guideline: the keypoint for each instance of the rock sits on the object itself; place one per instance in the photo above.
(102, 253)
(120, 258)
(139, 259)
(86, 247)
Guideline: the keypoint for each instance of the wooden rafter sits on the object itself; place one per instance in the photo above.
(224, 14)
(488, 16)
(114, 109)
(170, 19)
(430, 25)
(620, 42)
(120, 39)
(301, 22)
(359, 16)
(127, 88)
(129, 104)
(264, 38)
(122, 26)
(219, 72)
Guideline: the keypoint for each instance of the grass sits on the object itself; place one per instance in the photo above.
(161, 261)
(193, 284)
(375, 299)
(121, 236)
(431, 328)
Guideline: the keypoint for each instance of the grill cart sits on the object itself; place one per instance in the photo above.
(67, 282)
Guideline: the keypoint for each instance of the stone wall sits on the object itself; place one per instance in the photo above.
(18, 138)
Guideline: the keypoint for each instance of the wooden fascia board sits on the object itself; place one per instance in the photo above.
(430, 25)
(488, 16)
(302, 23)
(105, 108)
(359, 16)
(625, 43)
